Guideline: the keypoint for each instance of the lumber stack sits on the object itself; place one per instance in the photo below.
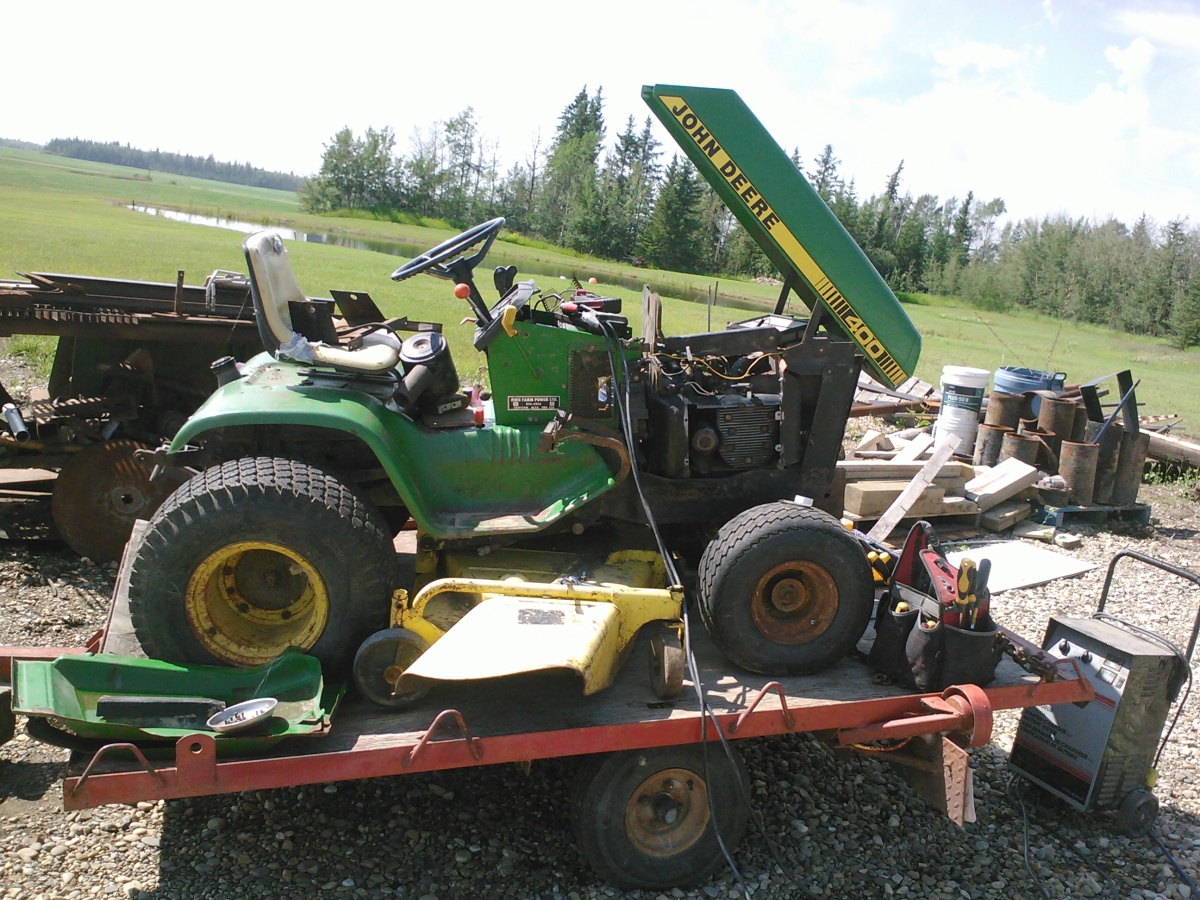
(960, 495)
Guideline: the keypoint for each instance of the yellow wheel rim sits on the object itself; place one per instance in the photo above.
(250, 601)
(668, 813)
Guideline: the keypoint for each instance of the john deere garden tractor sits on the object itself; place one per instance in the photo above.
(552, 515)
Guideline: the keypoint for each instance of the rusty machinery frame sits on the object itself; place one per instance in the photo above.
(925, 736)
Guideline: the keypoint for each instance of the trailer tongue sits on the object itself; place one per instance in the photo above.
(790, 222)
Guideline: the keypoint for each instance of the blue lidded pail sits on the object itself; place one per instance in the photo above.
(1015, 380)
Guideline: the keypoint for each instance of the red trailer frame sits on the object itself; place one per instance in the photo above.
(526, 719)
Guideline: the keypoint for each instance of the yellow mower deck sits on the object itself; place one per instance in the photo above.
(525, 619)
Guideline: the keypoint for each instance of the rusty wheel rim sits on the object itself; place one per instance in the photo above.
(794, 602)
(668, 813)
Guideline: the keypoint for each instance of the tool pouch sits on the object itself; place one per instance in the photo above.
(888, 654)
(915, 647)
(970, 657)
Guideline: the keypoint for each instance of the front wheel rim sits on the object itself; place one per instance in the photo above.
(794, 602)
(249, 601)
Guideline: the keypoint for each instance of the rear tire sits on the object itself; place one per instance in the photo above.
(643, 817)
(785, 590)
(257, 555)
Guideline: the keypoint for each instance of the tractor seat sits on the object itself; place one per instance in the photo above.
(273, 286)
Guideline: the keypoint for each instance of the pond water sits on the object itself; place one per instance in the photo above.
(407, 250)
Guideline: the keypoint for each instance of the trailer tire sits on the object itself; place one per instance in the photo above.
(257, 555)
(643, 818)
(785, 590)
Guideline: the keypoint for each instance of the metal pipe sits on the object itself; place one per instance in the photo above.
(16, 423)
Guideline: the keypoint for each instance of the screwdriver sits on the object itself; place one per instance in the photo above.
(966, 590)
(982, 596)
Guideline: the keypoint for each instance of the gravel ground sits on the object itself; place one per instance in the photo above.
(827, 824)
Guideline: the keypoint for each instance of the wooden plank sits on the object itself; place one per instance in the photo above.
(941, 453)
(869, 441)
(958, 506)
(878, 470)
(1004, 481)
(1172, 448)
(27, 479)
(915, 449)
(870, 499)
(1006, 515)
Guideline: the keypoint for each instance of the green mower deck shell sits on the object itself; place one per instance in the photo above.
(67, 690)
(789, 221)
(456, 482)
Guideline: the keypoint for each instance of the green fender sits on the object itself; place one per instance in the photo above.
(456, 482)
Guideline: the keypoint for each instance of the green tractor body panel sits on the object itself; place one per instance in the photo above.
(545, 366)
(439, 473)
(790, 222)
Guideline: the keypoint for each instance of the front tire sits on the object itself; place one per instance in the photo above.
(785, 590)
(643, 818)
(257, 555)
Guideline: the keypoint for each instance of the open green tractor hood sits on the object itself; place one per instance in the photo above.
(789, 220)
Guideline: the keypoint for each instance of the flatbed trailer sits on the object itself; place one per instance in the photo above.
(544, 716)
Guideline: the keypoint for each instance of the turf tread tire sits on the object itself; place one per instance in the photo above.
(296, 502)
(731, 554)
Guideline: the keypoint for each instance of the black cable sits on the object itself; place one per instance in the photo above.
(1094, 864)
(1012, 780)
(623, 400)
(1175, 864)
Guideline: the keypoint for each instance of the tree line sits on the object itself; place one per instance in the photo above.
(173, 163)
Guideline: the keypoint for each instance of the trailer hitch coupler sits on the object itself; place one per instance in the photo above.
(16, 422)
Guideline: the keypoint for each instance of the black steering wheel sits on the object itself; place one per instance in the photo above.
(431, 261)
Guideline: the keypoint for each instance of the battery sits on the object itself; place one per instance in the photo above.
(1092, 757)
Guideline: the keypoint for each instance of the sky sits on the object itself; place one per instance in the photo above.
(1079, 107)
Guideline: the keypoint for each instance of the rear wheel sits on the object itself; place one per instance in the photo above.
(258, 555)
(650, 818)
(785, 590)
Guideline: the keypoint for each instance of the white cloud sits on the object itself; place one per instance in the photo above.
(1133, 63)
(956, 62)
(1178, 30)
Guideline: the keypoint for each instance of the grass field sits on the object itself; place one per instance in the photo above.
(60, 215)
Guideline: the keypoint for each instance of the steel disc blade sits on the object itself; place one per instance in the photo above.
(101, 491)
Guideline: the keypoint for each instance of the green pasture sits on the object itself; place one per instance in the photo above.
(61, 215)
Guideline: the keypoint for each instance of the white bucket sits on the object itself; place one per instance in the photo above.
(962, 398)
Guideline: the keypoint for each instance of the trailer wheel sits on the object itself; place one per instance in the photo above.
(650, 818)
(255, 556)
(380, 662)
(785, 590)
(1137, 813)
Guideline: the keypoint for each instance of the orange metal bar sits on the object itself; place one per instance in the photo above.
(197, 771)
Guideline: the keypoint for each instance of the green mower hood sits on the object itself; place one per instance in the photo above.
(790, 222)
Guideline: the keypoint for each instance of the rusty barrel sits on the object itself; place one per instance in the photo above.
(1056, 418)
(1077, 466)
(1003, 410)
(1079, 427)
(1106, 460)
(1130, 460)
(1020, 446)
(988, 442)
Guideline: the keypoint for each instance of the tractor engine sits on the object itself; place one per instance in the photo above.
(710, 415)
